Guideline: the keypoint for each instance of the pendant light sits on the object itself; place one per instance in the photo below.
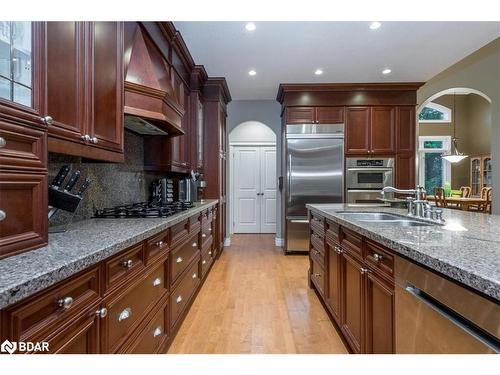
(454, 156)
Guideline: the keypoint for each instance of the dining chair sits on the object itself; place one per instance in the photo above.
(466, 191)
(440, 198)
(485, 206)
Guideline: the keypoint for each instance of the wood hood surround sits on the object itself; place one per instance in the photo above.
(149, 89)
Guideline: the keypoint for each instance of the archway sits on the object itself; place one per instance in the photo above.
(252, 169)
(466, 113)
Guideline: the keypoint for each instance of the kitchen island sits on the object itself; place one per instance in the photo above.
(358, 260)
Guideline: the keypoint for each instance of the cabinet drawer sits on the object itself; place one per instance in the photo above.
(194, 223)
(126, 309)
(182, 256)
(25, 148)
(24, 205)
(332, 231)
(318, 256)
(157, 246)
(122, 266)
(379, 258)
(206, 261)
(352, 243)
(206, 235)
(152, 338)
(180, 296)
(317, 224)
(317, 243)
(39, 316)
(318, 275)
(206, 218)
(178, 232)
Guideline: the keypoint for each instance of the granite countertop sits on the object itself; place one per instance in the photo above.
(466, 248)
(85, 243)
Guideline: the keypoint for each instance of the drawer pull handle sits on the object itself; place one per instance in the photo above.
(194, 244)
(3, 215)
(48, 120)
(65, 302)
(125, 314)
(377, 257)
(157, 332)
(179, 299)
(179, 260)
(338, 250)
(317, 275)
(203, 235)
(156, 281)
(101, 313)
(194, 275)
(127, 264)
(3, 142)
(363, 270)
(160, 243)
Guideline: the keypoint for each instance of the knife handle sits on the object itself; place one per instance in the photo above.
(61, 175)
(72, 181)
(83, 186)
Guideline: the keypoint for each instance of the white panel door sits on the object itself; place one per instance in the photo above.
(254, 189)
(268, 184)
(246, 189)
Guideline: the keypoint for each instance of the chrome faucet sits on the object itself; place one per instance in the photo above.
(417, 206)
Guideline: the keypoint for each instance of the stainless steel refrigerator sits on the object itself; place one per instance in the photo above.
(314, 156)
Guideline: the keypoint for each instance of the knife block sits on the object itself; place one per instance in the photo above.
(62, 200)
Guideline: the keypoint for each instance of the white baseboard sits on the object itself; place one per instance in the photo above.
(227, 241)
(279, 242)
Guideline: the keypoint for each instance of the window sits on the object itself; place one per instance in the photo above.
(433, 112)
(434, 171)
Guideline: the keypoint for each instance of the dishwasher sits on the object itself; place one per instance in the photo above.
(436, 315)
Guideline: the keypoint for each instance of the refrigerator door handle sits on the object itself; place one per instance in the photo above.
(289, 178)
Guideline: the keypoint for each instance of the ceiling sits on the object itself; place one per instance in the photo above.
(290, 52)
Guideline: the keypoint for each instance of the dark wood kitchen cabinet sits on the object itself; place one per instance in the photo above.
(360, 288)
(23, 140)
(405, 130)
(315, 115)
(84, 88)
(131, 302)
(405, 171)
(357, 131)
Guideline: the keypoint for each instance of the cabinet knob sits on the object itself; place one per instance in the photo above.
(3, 215)
(204, 235)
(209, 229)
(3, 142)
(179, 260)
(101, 313)
(156, 281)
(178, 299)
(194, 244)
(125, 314)
(65, 302)
(363, 270)
(86, 138)
(204, 262)
(194, 275)
(209, 253)
(160, 243)
(317, 275)
(48, 120)
(157, 332)
(127, 263)
(378, 257)
(94, 140)
(338, 250)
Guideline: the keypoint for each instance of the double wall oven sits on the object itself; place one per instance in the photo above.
(365, 179)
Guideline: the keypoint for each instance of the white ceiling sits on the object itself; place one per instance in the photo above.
(290, 52)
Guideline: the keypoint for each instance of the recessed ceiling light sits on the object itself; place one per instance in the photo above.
(375, 25)
(318, 72)
(386, 71)
(252, 72)
(250, 26)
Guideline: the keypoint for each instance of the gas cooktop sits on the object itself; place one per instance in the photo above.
(143, 209)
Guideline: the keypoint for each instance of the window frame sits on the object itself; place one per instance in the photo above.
(446, 139)
(441, 108)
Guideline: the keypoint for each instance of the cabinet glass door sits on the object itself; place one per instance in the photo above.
(15, 62)
(475, 172)
(487, 172)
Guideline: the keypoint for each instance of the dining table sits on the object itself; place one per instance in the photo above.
(460, 202)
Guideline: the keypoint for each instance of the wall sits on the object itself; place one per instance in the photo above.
(268, 113)
(112, 184)
(473, 130)
(480, 71)
(252, 132)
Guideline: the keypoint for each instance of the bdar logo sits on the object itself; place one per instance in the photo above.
(8, 347)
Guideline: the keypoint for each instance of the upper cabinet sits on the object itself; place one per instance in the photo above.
(314, 115)
(357, 130)
(84, 88)
(405, 129)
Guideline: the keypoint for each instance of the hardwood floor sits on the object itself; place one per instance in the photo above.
(256, 300)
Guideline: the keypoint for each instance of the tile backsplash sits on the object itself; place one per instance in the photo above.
(111, 183)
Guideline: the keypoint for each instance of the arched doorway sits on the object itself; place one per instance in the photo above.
(253, 204)
(466, 114)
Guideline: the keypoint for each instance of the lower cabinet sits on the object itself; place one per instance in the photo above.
(358, 289)
(132, 302)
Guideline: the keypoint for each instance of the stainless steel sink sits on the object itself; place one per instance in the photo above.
(383, 218)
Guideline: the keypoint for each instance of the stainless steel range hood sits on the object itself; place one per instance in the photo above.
(141, 126)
